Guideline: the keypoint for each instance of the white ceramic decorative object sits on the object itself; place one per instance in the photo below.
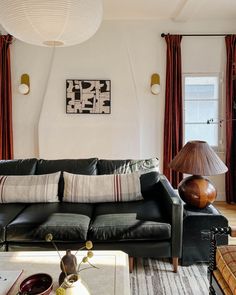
(51, 22)
(74, 285)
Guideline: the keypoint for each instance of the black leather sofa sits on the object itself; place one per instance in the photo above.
(151, 227)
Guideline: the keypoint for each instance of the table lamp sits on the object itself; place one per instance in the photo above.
(199, 159)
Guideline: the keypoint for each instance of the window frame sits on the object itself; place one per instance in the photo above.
(219, 76)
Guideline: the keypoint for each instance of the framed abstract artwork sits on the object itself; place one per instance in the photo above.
(88, 96)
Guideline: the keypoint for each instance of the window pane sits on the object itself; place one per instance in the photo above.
(199, 91)
(201, 111)
(201, 88)
(201, 105)
(206, 132)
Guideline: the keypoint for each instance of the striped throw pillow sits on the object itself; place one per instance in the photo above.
(29, 188)
(101, 188)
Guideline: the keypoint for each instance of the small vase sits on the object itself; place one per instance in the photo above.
(74, 285)
(68, 265)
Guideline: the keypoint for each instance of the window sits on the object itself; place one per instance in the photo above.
(201, 108)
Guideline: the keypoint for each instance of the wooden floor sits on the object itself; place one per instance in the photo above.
(229, 211)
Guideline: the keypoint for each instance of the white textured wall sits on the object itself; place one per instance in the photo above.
(127, 53)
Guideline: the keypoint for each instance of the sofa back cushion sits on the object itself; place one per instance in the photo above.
(76, 166)
(18, 167)
(127, 166)
(29, 188)
(102, 188)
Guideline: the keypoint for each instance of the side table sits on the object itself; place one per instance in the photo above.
(195, 249)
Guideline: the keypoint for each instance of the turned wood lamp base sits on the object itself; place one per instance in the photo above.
(197, 191)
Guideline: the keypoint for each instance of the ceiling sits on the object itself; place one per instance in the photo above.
(177, 10)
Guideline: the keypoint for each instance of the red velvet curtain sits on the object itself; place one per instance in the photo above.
(173, 121)
(6, 137)
(230, 178)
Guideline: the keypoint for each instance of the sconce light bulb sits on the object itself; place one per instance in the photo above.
(23, 89)
(155, 89)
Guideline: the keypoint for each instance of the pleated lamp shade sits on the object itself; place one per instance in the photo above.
(198, 158)
(51, 22)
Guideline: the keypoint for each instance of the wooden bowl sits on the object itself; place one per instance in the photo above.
(37, 284)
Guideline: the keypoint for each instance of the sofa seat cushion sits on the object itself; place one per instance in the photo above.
(65, 221)
(7, 213)
(226, 264)
(119, 222)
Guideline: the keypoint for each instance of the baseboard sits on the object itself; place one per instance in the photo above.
(221, 197)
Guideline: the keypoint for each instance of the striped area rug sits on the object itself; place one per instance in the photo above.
(156, 277)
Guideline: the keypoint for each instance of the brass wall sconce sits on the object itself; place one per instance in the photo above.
(155, 84)
(24, 87)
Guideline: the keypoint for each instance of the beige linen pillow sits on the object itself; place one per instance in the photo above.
(29, 188)
(101, 188)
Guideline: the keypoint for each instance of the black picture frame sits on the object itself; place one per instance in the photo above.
(88, 96)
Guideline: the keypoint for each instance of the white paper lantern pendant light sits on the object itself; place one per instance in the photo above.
(51, 22)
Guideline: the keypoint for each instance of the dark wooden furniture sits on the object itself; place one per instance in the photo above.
(214, 235)
(196, 222)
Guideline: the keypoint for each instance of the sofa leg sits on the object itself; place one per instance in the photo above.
(131, 264)
(175, 261)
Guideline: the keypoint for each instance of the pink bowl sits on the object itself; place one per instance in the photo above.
(37, 284)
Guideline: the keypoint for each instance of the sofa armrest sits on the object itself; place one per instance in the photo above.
(173, 205)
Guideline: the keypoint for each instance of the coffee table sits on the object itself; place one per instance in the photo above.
(112, 277)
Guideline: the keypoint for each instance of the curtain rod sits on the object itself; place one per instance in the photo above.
(198, 35)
